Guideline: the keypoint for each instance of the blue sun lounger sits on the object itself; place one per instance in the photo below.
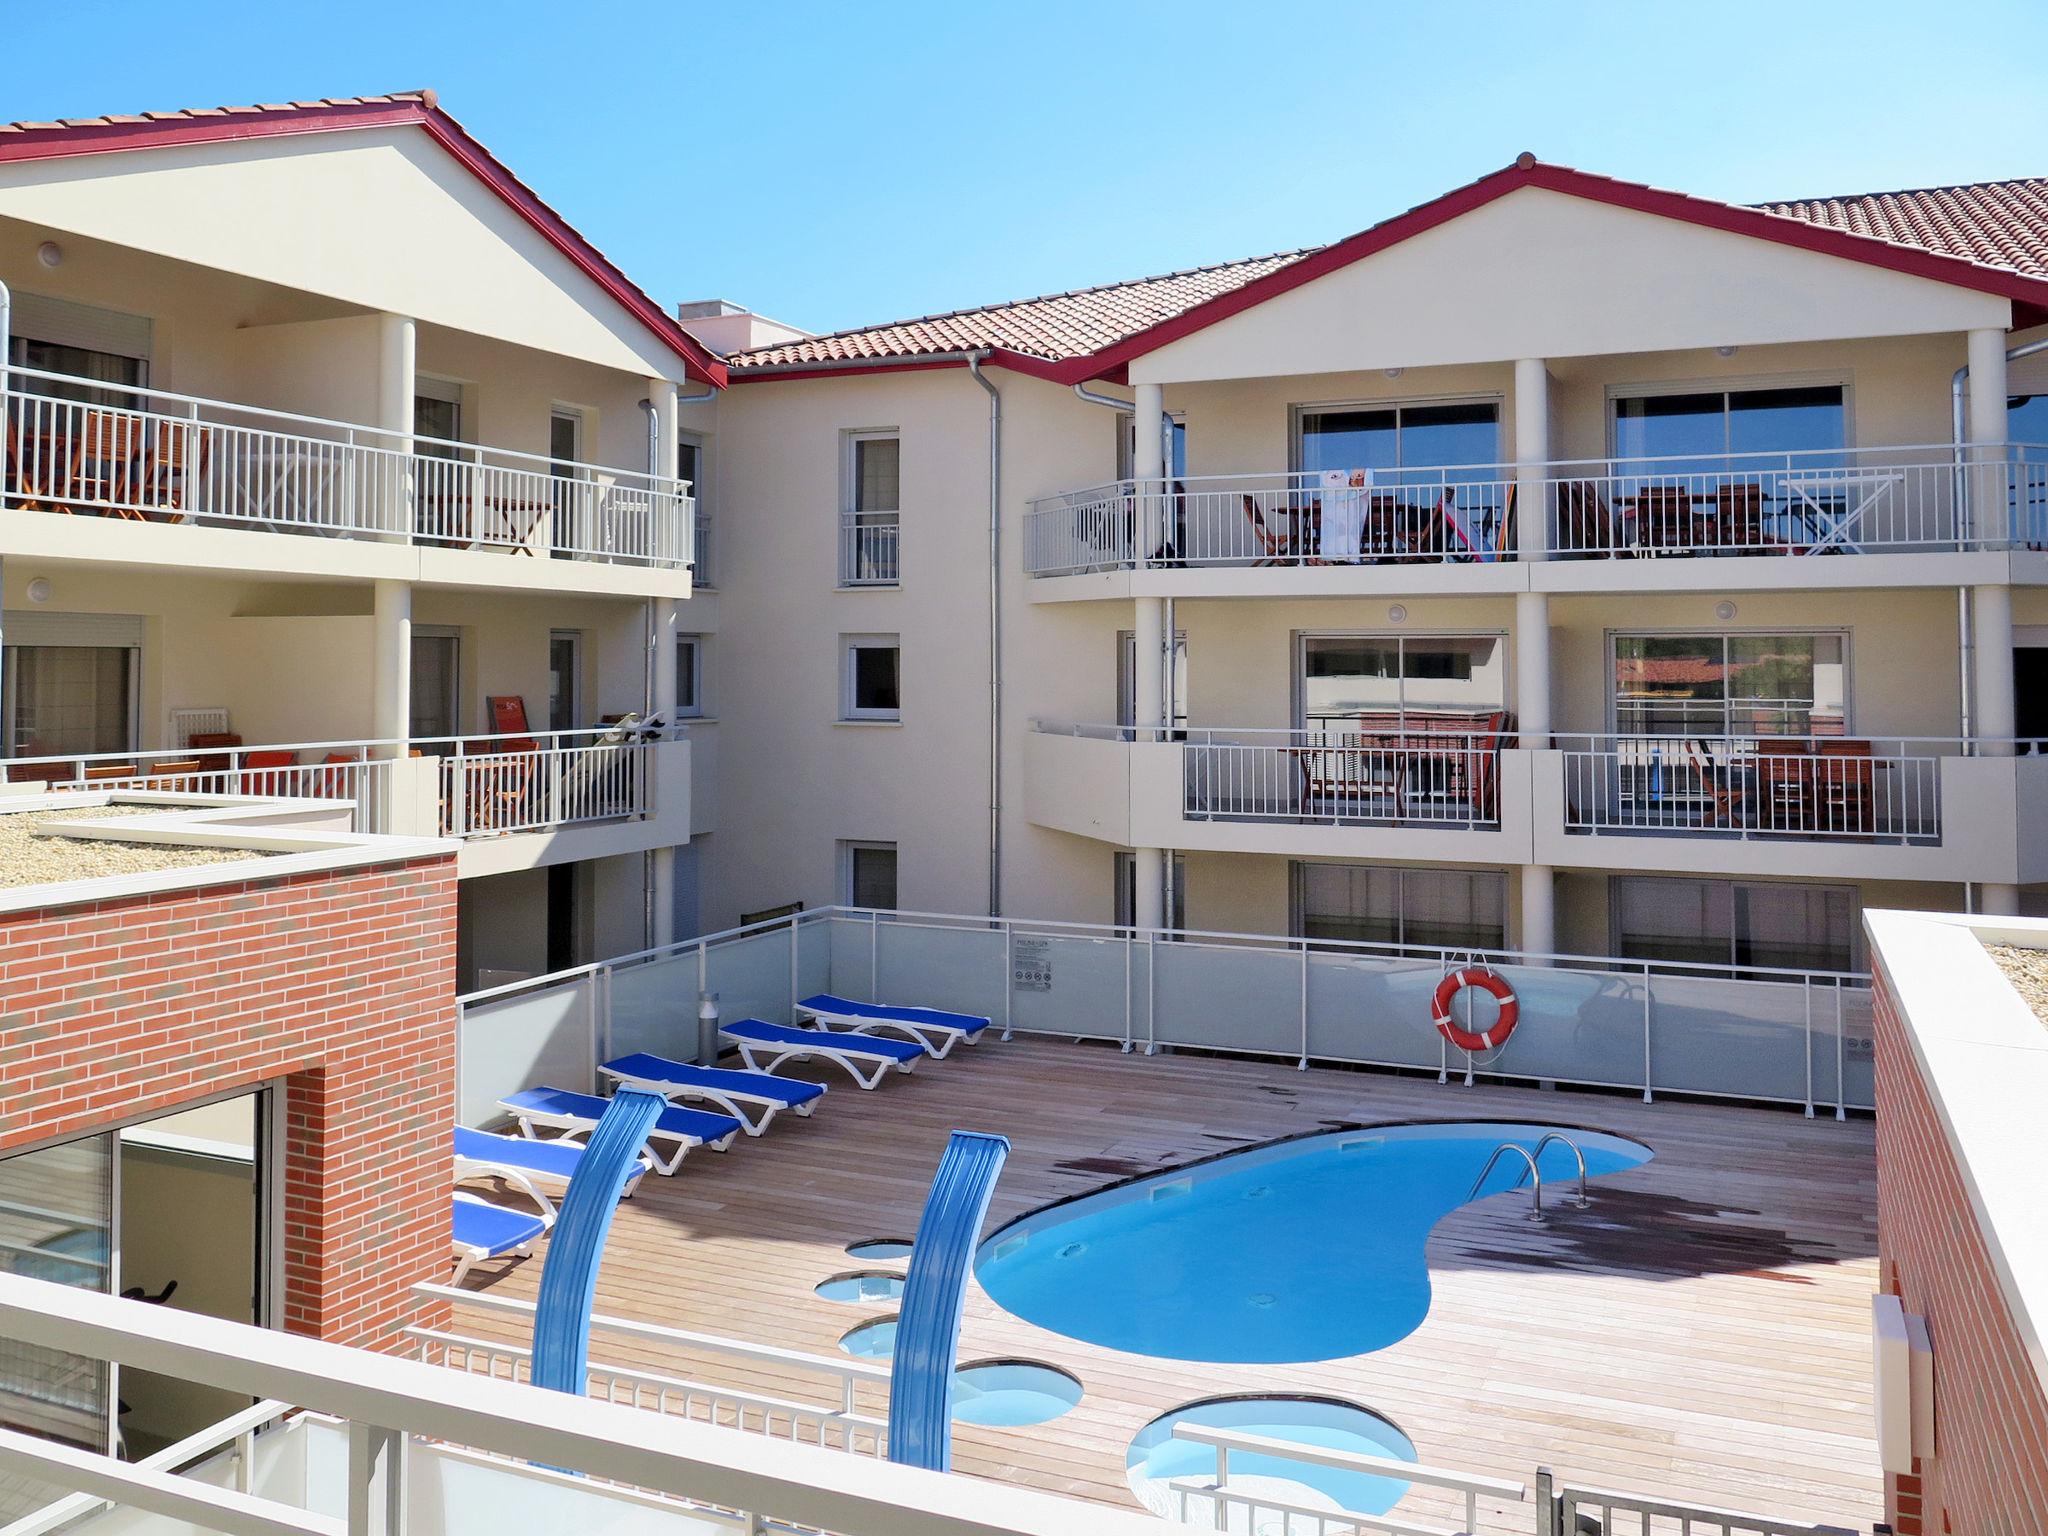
(752, 1098)
(933, 1028)
(484, 1231)
(482, 1154)
(865, 1057)
(576, 1115)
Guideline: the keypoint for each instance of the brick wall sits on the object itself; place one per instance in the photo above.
(1989, 1476)
(340, 987)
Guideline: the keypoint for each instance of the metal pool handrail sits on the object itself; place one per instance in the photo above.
(1580, 1157)
(1535, 1173)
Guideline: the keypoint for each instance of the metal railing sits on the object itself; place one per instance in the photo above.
(1845, 501)
(869, 549)
(1572, 1510)
(1829, 502)
(1342, 777)
(1463, 1491)
(1793, 787)
(836, 1424)
(75, 445)
(337, 770)
(1408, 516)
(519, 783)
(1763, 1033)
(703, 570)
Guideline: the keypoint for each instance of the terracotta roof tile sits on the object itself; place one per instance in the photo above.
(2002, 224)
(122, 119)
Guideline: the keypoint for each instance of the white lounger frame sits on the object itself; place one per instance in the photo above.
(848, 1057)
(936, 1039)
(469, 1254)
(576, 1131)
(488, 1167)
(731, 1100)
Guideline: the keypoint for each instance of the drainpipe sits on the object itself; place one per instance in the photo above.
(995, 632)
(1111, 401)
(647, 682)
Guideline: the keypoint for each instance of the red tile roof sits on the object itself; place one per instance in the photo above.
(1983, 236)
(200, 125)
(1992, 223)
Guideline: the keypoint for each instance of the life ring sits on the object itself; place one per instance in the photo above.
(1464, 1039)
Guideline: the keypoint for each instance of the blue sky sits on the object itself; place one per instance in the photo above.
(839, 164)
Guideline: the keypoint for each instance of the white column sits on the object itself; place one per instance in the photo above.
(661, 692)
(1532, 667)
(1532, 453)
(1998, 900)
(1995, 715)
(1148, 878)
(396, 386)
(661, 394)
(1539, 910)
(1148, 663)
(1148, 467)
(391, 666)
(1987, 424)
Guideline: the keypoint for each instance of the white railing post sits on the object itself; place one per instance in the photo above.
(376, 1480)
(1647, 1084)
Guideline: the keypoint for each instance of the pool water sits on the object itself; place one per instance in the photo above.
(868, 1285)
(1311, 1249)
(1156, 1458)
(996, 1392)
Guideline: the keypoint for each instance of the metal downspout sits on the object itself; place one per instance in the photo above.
(647, 681)
(995, 632)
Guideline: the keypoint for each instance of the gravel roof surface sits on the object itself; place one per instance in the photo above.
(27, 859)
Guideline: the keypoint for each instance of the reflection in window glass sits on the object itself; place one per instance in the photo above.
(1731, 685)
(1735, 923)
(1702, 429)
(1393, 438)
(68, 698)
(1382, 683)
(56, 1220)
(1422, 909)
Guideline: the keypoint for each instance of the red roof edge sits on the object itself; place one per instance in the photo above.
(998, 357)
(58, 140)
(2029, 294)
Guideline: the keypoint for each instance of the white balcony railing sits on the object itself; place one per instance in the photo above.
(869, 550)
(1817, 788)
(76, 445)
(1848, 501)
(493, 784)
(486, 785)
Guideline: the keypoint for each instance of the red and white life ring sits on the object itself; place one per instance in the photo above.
(1464, 1039)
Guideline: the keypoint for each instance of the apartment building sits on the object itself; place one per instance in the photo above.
(1563, 564)
(337, 463)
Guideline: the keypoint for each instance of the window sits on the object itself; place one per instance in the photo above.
(1731, 685)
(1735, 922)
(1400, 682)
(565, 680)
(61, 699)
(436, 682)
(689, 675)
(437, 413)
(85, 342)
(573, 508)
(872, 685)
(1127, 678)
(693, 464)
(871, 507)
(1127, 892)
(1426, 909)
(867, 875)
(1392, 438)
(1704, 427)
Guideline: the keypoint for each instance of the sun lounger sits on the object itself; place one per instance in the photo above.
(482, 1154)
(752, 1098)
(865, 1057)
(933, 1028)
(576, 1115)
(484, 1231)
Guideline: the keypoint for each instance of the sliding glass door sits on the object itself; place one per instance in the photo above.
(1702, 429)
(1401, 683)
(1731, 685)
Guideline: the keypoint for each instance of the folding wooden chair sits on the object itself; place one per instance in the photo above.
(1585, 523)
(1274, 548)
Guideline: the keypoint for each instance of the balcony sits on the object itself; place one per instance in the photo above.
(1902, 501)
(82, 447)
(612, 787)
(1458, 795)
(869, 550)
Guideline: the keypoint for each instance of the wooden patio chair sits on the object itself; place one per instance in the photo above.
(1273, 548)
(99, 773)
(1723, 787)
(1784, 772)
(1844, 778)
(1739, 517)
(176, 774)
(1668, 521)
(175, 458)
(1585, 523)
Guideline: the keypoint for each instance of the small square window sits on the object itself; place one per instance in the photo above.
(867, 875)
(872, 681)
(689, 675)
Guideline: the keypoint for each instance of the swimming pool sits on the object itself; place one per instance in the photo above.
(1157, 1459)
(1311, 1249)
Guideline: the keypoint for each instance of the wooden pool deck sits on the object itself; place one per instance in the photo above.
(1701, 1333)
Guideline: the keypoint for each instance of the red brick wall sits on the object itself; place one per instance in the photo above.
(340, 985)
(1990, 1470)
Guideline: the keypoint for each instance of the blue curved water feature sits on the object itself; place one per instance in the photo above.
(1157, 1458)
(1311, 1249)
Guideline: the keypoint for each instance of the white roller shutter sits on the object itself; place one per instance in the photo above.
(67, 323)
(37, 626)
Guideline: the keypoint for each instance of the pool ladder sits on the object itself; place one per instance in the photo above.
(1535, 1174)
